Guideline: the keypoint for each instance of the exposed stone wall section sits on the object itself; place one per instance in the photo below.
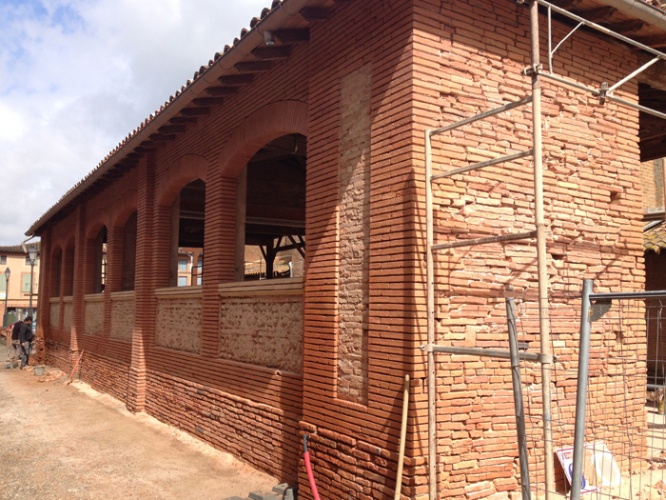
(122, 319)
(94, 317)
(68, 314)
(54, 315)
(178, 324)
(265, 331)
(354, 234)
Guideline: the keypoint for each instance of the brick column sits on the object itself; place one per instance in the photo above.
(219, 254)
(79, 282)
(144, 296)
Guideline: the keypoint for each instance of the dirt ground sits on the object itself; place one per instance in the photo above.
(70, 442)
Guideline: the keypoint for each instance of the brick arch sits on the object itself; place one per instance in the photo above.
(186, 169)
(261, 127)
(127, 208)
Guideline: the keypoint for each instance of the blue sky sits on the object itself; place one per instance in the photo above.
(76, 76)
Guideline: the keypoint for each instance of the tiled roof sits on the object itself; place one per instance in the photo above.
(132, 144)
(654, 238)
(16, 248)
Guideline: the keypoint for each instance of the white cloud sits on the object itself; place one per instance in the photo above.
(77, 76)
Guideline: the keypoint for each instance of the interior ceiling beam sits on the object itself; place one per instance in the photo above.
(292, 35)
(273, 53)
(222, 91)
(235, 80)
(649, 136)
(253, 66)
(315, 13)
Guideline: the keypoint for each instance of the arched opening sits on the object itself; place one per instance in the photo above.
(99, 261)
(187, 225)
(68, 270)
(274, 192)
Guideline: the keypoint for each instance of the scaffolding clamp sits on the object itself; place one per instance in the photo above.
(535, 69)
(603, 92)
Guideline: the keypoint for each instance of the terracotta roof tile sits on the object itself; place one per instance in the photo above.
(654, 238)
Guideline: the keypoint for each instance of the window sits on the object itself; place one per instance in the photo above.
(182, 280)
(182, 264)
(25, 283)
(3, 260)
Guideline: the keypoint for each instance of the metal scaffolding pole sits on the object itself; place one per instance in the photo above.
(544, 326)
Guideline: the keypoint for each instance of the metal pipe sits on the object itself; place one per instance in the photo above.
(403, 437)
(581, 392)
(472, 119)
(655, 20)
(541, 249)
(518, 401)
(651, 294)
(631, 75)
(482, 351)
(430, 304)
(483, 241)
(483, 164)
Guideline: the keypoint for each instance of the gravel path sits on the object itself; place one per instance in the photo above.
(70, 442)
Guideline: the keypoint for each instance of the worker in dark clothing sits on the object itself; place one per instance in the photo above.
(25, 336)
(16, 346)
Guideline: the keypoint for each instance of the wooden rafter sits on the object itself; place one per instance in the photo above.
(272, 53)
(292, 35)
(315, 13)
(236, 80)
(222, 91)
(207, 101)
(253, 66)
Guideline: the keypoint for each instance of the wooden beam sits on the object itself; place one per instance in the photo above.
(183, 119)
(195, 111)
(654, 41)
(272, 53)
(292, 35)
(222, 91)
(172, 129)
(161, 137)
(253, 66)
(315, 13)
(597, 15)
(236, 80)
(626, 27)
(207, 101)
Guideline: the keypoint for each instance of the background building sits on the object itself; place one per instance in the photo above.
(22, 285)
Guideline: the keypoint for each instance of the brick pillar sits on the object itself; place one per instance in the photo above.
(44, 285)
(144, 297)
(78, 283)
(219, 254)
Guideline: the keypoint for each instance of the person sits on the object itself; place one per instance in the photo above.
(16, 347)
(25, 336)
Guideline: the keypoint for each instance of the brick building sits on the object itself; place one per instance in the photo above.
(307, 135)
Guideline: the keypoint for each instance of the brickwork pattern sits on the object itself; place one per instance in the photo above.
(593, 206)
(261, 434)
(652, 181)
(105, 374)
(266, 331)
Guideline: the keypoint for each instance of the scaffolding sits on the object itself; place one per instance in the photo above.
(536, 72)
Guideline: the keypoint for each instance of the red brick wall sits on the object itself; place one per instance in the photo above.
(593, 212)
(428, 65)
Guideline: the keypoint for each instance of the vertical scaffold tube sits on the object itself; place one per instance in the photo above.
(430, 305)
(544, 328)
